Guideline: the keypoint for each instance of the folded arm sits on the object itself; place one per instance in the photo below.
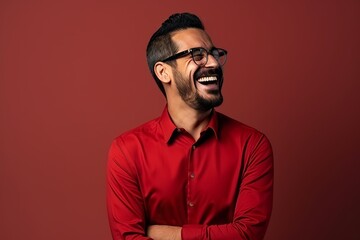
(251, 216)
(124, 201)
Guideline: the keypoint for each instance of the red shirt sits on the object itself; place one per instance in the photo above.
(219, 187)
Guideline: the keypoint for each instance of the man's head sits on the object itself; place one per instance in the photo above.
(182, 56)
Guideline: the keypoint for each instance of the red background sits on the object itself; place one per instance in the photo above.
(73, 76)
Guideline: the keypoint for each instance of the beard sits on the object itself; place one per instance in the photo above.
(195, 99)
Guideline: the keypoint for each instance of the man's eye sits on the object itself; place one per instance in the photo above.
(216, 54)
(198, 56)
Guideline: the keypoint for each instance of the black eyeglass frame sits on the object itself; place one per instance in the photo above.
(191, 50)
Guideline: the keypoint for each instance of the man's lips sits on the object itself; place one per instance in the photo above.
(208, 79)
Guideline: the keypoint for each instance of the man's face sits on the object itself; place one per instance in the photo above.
(198, 86)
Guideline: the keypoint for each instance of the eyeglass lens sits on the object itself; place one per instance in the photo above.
(200, 56)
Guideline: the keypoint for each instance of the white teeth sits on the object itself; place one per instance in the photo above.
(207, 79)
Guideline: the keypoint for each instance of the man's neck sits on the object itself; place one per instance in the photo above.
(193, 121)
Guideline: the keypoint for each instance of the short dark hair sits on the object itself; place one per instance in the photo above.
(161, 46)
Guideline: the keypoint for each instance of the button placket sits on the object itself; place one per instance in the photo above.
(191, 176)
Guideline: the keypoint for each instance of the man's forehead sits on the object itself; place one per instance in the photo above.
(191, 37)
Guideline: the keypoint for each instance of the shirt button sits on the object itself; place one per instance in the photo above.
(193, 147)
(192, 175)
(191, 204)
(178, 130)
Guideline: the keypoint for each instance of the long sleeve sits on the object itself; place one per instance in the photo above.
(124, 201)
(253, 205)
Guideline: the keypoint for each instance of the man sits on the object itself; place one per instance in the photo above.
(192, 173)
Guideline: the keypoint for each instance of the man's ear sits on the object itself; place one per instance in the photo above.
(162, 71)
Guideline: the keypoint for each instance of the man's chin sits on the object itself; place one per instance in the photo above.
(207, 104)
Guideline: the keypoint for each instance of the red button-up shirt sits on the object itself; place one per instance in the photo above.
(218, 188)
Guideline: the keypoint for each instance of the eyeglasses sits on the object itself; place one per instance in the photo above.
(200, 55)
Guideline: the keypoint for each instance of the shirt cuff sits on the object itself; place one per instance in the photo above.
(193, 232)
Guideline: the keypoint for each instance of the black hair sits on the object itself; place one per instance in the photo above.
(161, 46)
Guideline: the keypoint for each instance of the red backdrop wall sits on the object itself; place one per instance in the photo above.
(73, 76)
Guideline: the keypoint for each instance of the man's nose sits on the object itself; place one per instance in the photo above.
(212, 61)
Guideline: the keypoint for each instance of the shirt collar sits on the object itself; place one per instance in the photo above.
(214, 123)
(169, 129)
(167, 125)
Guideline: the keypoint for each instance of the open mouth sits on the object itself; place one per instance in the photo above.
(207, 80)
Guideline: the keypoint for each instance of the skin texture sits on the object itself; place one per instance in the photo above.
(189, 102)
(164, 232)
